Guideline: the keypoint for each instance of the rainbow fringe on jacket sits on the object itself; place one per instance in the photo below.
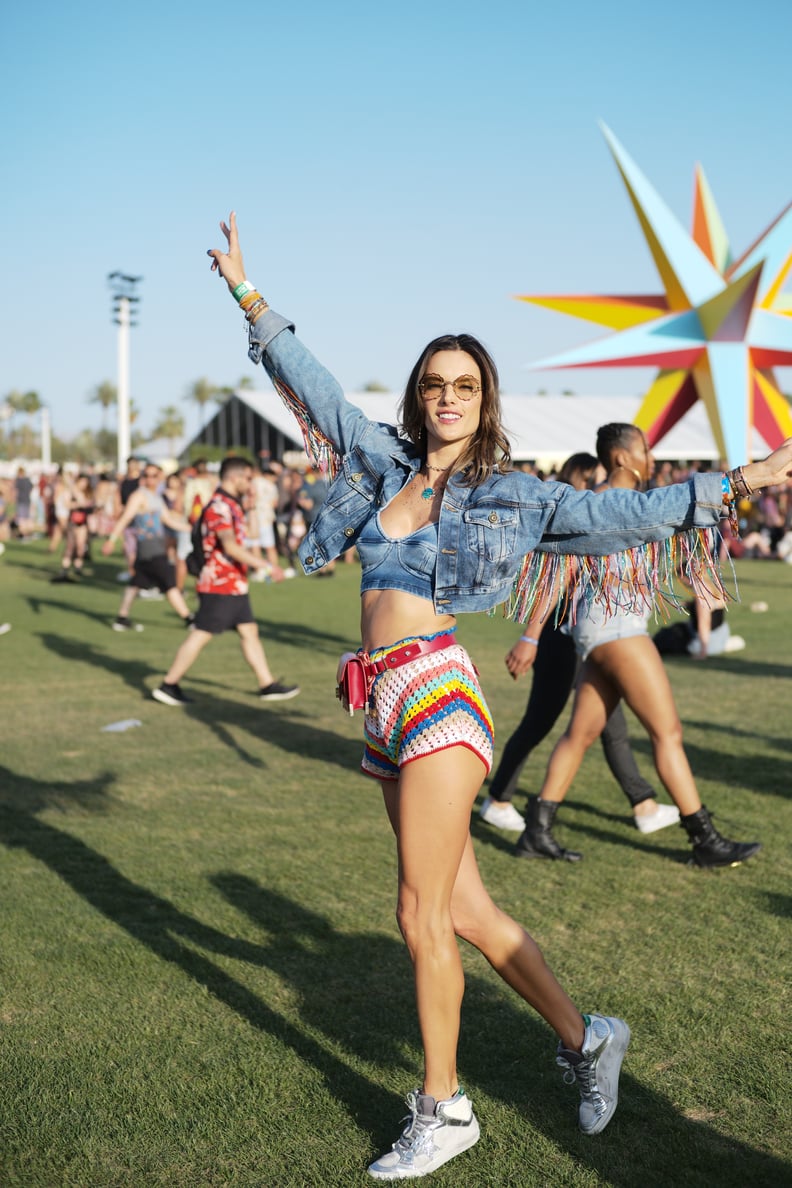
(318, 447)
(647, 577)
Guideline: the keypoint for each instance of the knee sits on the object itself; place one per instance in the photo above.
(670, 736)
(475, 920)
(424, 928)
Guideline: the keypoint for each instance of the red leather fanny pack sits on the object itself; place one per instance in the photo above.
(357, 671)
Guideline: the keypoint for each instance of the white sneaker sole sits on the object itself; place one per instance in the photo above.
(166, 699)
(279, 696)
(468, 1139)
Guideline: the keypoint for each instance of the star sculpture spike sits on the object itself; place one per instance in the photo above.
(716, 331)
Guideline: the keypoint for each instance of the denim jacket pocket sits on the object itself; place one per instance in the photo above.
(490, 535)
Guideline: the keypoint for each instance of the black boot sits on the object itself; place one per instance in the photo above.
(709, 848)
(537, 841)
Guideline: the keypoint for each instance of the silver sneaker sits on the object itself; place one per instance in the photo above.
(436, 1131)
(596, 1069)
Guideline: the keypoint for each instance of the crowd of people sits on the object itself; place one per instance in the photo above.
(36, 502)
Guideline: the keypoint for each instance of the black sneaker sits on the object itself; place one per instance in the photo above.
(278, 692)
(124, 624)
(170, 695)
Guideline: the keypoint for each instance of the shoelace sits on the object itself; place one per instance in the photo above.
(583, 1073)
(418, 1133)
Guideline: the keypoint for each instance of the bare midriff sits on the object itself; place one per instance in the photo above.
(386, 616)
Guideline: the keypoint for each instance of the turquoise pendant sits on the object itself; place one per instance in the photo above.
(427, 493)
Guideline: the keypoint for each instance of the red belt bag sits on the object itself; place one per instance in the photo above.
(357, 671)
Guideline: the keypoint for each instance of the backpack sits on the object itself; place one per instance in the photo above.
(196, 558)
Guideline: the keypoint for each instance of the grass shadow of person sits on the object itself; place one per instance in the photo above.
(340, 978)
(170, 933)
(289, 731)
(41, 605)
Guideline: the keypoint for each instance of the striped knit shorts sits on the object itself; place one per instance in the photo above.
(425, 706)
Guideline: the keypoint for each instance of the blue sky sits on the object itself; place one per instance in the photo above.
(398, 171)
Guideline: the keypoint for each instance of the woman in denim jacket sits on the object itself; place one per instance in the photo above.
(442, 526)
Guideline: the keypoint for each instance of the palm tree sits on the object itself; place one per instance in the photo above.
(105, 394)
(14, 401)
(200, 393)
(169, 425)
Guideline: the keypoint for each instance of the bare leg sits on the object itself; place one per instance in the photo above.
(187, 654)
(595, 700)
(512, 952)
(429, 809)
(254, 653)
(176, 599)
(127, 598)
(634, 666)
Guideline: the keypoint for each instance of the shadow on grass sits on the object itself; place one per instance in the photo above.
(355, 990)
(754, 770)
(783, 743)
(734, 666)
(291, 730)
(625, 836)
(342, 980)
(41, 605)
(302, 636)
(96, 574)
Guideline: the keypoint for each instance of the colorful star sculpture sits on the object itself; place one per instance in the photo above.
(715, 334)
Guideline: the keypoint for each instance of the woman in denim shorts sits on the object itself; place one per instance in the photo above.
(620, 661)
(442, 525)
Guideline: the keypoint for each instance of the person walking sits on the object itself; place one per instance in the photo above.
(442, 526)
(222, 589)
(146, 516)
(548, 651)
(621, 661)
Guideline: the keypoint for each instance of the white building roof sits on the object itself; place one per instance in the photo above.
(542, 428)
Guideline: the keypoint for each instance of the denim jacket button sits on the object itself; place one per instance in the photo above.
(357, 476)
(309, 560)
(349, 532)
(493, 517)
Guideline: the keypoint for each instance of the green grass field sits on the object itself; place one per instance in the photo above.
(201, 980)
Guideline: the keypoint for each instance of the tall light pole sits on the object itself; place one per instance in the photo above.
(124, 298)
(46, 438)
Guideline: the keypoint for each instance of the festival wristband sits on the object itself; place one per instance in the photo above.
(243, 288)
(529, 639)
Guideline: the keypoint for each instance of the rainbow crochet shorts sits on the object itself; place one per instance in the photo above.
(422, 707)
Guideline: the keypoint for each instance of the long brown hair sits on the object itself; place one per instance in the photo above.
(490, 445)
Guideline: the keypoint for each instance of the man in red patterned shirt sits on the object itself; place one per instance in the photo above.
(223, 590)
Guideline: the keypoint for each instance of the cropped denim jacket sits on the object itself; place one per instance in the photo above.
(487, 531)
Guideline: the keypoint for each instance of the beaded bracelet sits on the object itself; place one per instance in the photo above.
(740, 483)
(529, 639)
(256, 312)
(250, 298)
(729, 499)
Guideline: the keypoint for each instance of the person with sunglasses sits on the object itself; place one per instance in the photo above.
(147, 515)
(442, 526)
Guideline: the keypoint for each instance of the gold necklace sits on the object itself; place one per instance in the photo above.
(430, 491)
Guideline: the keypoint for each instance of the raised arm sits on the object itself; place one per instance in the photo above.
(327, 420)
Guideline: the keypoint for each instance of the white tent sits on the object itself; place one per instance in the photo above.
(545, 429)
